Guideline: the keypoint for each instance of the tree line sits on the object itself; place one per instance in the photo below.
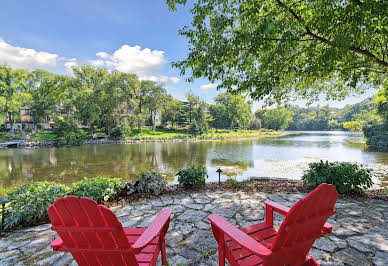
(352, 117)
(113, 101)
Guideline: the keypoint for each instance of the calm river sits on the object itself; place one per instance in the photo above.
(286, 156)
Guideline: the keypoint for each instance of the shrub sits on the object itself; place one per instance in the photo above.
(67, 131)
(192, 176)
(345, 176)
(121, 131)
(97, 188)
(5, 136)
(151, 182)
(30, 202)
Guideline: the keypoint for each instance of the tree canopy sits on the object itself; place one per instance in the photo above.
(281, 49)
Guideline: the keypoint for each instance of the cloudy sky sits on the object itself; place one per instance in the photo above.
(135, 36)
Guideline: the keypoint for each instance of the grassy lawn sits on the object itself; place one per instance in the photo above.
(169, 134)
(166, 134)
(42, 136)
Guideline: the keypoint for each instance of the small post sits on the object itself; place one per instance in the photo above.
(3, 202)
(219, 171)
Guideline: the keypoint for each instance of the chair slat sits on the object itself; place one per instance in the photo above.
(94, 236)
(302, 225)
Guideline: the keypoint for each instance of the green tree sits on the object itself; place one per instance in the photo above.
(201, 117)
(155, 101)
(239, 112)
(140, 111)
(47, 90)
(277, 118)
(190, 106)
(171, 111)
(382, 106)
(277, 49)
(220, 116)
(353, 125)
(87, 87)
(13, 92)
(128, 87)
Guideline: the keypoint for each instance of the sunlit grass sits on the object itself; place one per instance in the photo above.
(166, 134)
(42, 136)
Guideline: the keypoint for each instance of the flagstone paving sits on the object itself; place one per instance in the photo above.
(359, 237)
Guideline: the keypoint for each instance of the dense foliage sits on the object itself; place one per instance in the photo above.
(97, 188)
(68, 131)
(30, 202)
(192, 176)
(351, 117)
(231, 111)
(277, 118)
(151, 182)
(345, 176)
(115, 103)
(281, 49)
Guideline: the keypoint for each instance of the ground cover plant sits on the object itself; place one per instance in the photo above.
(345, 176)
(191, 176)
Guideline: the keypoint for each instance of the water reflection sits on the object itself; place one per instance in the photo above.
(280, 157)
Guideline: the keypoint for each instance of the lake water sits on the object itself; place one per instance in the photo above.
(285, 157)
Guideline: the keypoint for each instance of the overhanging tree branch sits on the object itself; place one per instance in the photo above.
(354, 49)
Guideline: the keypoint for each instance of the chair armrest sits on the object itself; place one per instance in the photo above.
(154, 229)
(57, 244)
(276, 207)
(239, 236)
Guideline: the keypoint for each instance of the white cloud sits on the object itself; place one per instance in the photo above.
(97, 63)
(19, 57)
(174, 80)
(146, 63)
(70, 64)
(103, 55)
(209, 86)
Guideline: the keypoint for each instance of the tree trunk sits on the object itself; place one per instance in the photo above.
(11, 122)
(139, 127)
(153, 118)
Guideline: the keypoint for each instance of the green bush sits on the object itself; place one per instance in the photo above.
(30, 202)
(67, 131)
(345, 176)
(121, 131)
(5, 136)
(151, 182)
(97, 188)
(192, 176)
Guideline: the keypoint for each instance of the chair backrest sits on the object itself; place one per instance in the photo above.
(91, 232)
(302, 225)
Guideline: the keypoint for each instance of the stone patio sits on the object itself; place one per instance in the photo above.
(359, 237)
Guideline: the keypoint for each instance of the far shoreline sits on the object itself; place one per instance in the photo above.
(55, 144)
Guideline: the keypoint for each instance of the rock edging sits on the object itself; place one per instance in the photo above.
(47, 144)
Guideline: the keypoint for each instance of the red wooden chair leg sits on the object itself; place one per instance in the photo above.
(163, 250)
(221, 255)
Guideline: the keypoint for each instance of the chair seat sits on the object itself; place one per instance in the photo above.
(262, 233)
(149, 252)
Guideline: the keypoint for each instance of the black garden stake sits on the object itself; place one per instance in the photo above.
(219, 171)
(3, 202)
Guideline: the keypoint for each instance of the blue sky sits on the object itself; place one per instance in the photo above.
(139, 36)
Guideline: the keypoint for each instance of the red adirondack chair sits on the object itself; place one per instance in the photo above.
(94, 236)
(260, 244)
